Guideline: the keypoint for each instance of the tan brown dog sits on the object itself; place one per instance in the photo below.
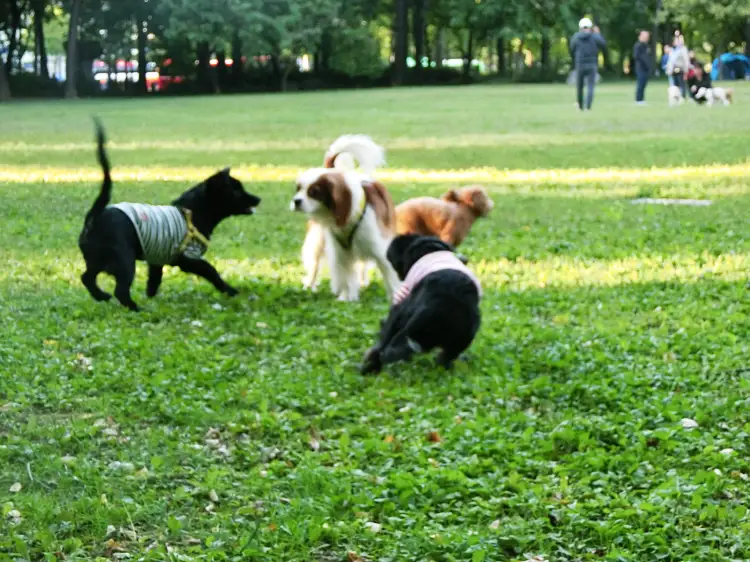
(449, 218)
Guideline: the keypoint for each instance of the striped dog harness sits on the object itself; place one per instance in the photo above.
(165, 232)
(436, 261)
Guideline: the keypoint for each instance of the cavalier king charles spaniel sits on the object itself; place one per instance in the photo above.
(352, 217)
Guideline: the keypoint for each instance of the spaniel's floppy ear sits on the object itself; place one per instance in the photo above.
(342, 201)
(451, 197)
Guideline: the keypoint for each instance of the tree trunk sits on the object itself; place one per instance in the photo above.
(439, 48)
(654, 35)
(418, 32)
(71, 63)
(500, 47)
(4, 85)
(142, 44)
(747, 38)
(41, 43)
(326, 47)
(276, 69)
(15, 25)
(468, 55)
(204, 67)
(237, 68)
(401, 40)
(221, 70)
(545, 51)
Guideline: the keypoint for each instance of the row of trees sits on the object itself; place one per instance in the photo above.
(350, 37)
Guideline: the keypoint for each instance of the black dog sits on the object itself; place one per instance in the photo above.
(114, 237)
(437, 305)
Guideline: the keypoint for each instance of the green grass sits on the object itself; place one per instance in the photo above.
(209, 428)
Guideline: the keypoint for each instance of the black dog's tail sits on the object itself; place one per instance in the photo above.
(106, 192)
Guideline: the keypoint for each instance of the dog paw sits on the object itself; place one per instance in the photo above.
(231, 291)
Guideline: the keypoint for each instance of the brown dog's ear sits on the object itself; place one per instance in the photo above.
(451, 196)
(342, 200)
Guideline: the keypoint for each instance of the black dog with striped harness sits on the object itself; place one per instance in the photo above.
(115, 236)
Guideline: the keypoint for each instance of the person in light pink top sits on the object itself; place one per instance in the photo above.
(437, 305)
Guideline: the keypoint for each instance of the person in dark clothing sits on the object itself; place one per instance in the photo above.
(584, 50)
(642, 60)
(700, 85)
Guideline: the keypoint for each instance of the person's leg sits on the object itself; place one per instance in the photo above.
(579, 87)
(590, 84)
(681, 83)
(639, 88)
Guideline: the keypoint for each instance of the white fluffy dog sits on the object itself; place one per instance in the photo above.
(674, 96)
(352, 217)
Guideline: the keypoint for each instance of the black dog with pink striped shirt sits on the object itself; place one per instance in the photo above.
(437, 305)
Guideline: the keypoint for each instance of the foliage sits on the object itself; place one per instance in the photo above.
(357, 52)
(221, 429)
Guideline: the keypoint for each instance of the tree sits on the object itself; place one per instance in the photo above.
(722, 21)
(400, 41)
(71, 66)
(292, 28)
(40, 50)
(4, 85)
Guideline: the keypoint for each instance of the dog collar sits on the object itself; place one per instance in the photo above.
(192, 232)
(345, 238)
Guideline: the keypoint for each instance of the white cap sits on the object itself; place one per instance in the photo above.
(585, 23)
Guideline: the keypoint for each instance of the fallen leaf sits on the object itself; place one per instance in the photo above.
(192, 541)
(373, 527)
(433, 462)
(272, 527)
(354, 557)
(111, 530)
(389, 439)
(434, 437)
(15, 488)
(210, 508)
(261, 325)
(727, 451)
(495, 525)
(213, 496)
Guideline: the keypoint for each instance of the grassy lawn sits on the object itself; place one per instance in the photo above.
(209, 428)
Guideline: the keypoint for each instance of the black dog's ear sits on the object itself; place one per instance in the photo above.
(225, 171)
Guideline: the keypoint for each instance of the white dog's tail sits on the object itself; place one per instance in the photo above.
(348, 150)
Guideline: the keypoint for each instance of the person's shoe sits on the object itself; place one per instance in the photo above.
(640, 103)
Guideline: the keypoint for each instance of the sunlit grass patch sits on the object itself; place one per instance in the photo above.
(574, 177)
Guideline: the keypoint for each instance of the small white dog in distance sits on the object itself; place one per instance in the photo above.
(723, 95)
(352, 217)
(674, 96)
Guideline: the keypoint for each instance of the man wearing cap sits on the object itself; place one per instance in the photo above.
(584, 50)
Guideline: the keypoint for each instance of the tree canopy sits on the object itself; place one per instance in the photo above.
(227, 44)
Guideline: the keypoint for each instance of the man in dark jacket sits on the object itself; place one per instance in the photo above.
(642, 63)
(584, 50)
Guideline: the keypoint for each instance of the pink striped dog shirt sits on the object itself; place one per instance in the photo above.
(436, 261)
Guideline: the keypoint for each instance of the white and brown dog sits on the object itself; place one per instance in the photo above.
(352, 217)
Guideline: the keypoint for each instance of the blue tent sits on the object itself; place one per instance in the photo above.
(734, 67)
